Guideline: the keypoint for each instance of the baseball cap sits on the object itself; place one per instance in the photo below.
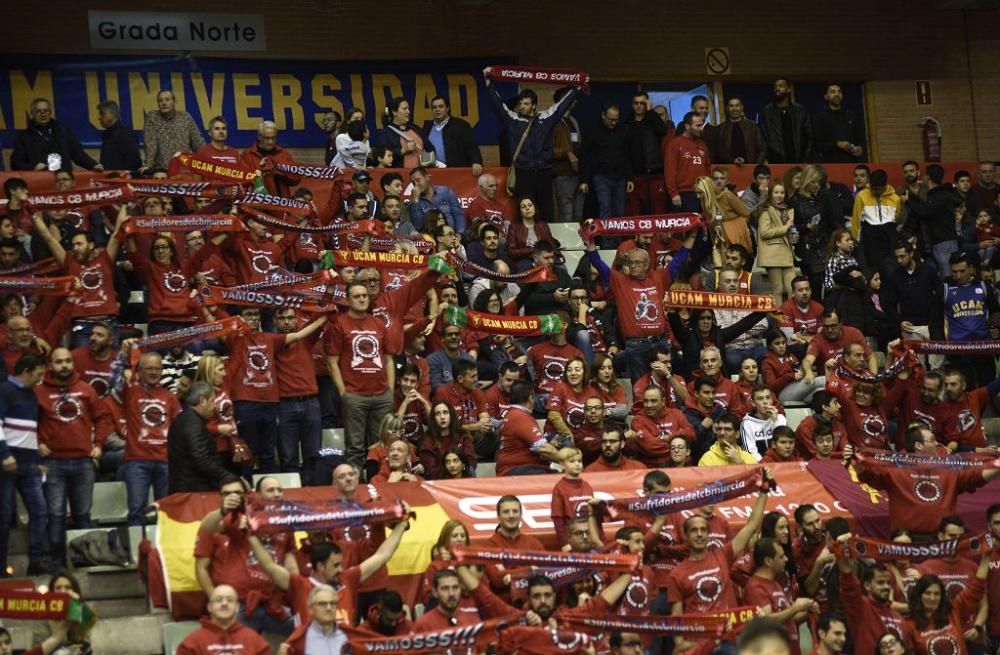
(361, 176)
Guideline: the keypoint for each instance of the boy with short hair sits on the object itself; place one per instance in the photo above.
(782, 446)
(572, 496)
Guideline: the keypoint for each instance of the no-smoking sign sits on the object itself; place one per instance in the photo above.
(717, 61)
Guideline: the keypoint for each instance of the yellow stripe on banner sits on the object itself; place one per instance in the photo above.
(414, 553)
(175, 540)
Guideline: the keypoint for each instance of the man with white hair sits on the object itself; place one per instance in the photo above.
(320, 634)
(486, 207)
(220, 631)
(278, 184)
(168, 131)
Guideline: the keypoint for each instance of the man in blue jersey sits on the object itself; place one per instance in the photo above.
(968, 302)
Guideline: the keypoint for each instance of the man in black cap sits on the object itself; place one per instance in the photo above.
(361, 183)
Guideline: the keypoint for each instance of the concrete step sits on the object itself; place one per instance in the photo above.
(133, 635)
(119, 607)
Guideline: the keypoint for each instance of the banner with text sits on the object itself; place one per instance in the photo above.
(294, 94)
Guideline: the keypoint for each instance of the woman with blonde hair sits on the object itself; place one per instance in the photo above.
(816, 215)
(776, 234)
(726, 217)
(234, 450)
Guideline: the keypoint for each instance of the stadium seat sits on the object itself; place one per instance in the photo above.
(568, 235)
(287, 480)
(333, 438)
(110, 503)
(572, 258)
(174, 634)
(608, 256)
(486, 469)
(626, 383)
(795, 415)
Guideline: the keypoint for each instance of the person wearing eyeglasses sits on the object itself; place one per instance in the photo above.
(221, 631)
(726, 450)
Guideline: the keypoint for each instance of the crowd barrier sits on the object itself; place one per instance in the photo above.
(834, 490)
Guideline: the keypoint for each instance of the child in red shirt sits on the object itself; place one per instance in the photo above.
(572, 495)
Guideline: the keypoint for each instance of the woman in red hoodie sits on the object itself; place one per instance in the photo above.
(783, 373)
(167, 282)
(938, 623)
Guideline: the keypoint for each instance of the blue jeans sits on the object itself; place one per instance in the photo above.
(942, 253)
(81, 328)
(329, 401)
(610, 196)
(71, 478)
(28, 482)
(261, 621)
(299, 425)
(258, 425)
(139, 475)
(583, 342)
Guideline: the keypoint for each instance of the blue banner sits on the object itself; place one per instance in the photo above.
(294, 94)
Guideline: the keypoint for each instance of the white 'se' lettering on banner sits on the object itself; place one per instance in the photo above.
(154, 30)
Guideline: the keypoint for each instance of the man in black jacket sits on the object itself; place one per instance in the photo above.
(936, 216)
(119, 151)
(606, 163)
(786, 126)
(645, 152)
(194, 464)
(46, 145)
(451, 138)
(837, 131)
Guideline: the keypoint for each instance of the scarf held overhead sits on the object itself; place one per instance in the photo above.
(698, 626)
(532, 275)
(41, 267)
(910, 460)
(986, 347)
(268, 201)
(906, 360)
(184, 224)
(242, 298)
(476, 636)
(538, 75)
(268, 165)
(714, 300)
(293, 515)
(213, 330)
(596, 561)
(890, 551)
(711, 493)
(74, 198)
(517, 326)
(386, 260)
(634, 225)
(189, 189)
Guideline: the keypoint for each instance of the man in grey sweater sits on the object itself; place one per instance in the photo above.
(168, 131)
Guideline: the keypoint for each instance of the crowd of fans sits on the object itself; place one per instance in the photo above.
(854, 274)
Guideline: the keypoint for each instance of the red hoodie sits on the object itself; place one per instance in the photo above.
(211, 639)
(71, 417)
(278, 184)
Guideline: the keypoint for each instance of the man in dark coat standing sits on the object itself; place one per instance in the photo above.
(46, 145)
(451, 138)
(194, 463)
(119, 151)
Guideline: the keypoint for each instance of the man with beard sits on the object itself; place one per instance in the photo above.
(278, 184)
(611, 459)
(385, 619)
(837, 131)
(914, 187)
(72, 427)
(786, 126)
(739, 140)
(177, 360)
(686, 159)
(809, 549)
(964, 431)
(922, 403)
(93, 361)
(589, 436)
(331, 125)
(867, 604)
(447, 613)
(168, 131)
(655, 427)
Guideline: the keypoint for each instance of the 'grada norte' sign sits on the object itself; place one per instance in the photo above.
(153, 30)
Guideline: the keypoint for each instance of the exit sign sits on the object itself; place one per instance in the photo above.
(923, 88)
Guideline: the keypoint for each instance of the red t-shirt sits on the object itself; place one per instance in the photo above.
(949, 639)
(93, 371)
(148, 413)
(252, 259)
(97, 285)
(519, 434)
(296, 374)
(468, 405)
(761, 591)
(704, 585)
(390, 307)
(918, 498)
(414, 420)
(956, 575)
(647, 381)
(685, 161)
(805, 444)
(233, 561)
(801, 321)
(652, 445)
(299, 587)
(624, 464)
(727, 393)
(211, 639)
(360, 343)
(965, 423)
(823, 349)
(227, 155)
(436, 619)
(251, 371)
(168, 290)
(611, 399)
(993, 590)
(569, 403)
(778, 372)
(71, 418)
(570, 499)
(497, 402)
(640, 303)
(549, 362)
(867, 620)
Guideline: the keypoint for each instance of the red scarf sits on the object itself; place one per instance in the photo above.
(74, 198)
(904, 361)
(273, 516)
(475, 637)
(692, 626)
(890, 551)
(184, 224)
(213, 330)
(41, 267)
(509, 558)
(25, 605)
(267, 201)
(986, 347)
(712, 300)
(529, 640)
(190, 189)
(633, 225)
(39, 286)
(359, 227)
(268, 165)
(190, 163)
(537, 274)
(716, 491)
(375, 259)
(537, 75)
(912, 460)
(265, 299)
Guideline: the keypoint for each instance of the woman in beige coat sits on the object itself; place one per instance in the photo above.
(776, 235)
